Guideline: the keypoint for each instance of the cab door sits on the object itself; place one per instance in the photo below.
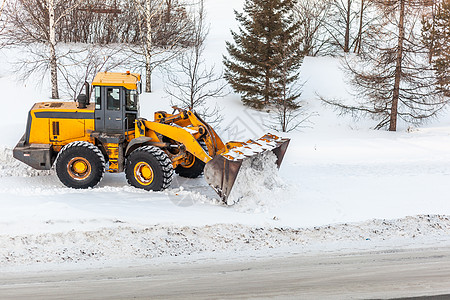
(109, 109)
(114, 109)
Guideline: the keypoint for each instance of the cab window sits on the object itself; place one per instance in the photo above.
(131, 100)
(113, 98)
(98, 99)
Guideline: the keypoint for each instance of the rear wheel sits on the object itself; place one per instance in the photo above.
(149, 168)
(191, 170)
(195, 166)
(80, 165)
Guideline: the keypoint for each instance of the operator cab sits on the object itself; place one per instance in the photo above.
(116, 98)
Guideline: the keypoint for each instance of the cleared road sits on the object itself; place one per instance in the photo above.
(331, 276)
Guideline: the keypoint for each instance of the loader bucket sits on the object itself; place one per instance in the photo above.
(221, 172)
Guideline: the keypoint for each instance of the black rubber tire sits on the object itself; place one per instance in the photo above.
(193, 171)
(154, 158)
(81, 151)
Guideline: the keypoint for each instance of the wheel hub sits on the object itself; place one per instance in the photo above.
(143, 173)
(189, 161)
(79, 168)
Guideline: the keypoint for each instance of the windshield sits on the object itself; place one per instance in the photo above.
(131, 100)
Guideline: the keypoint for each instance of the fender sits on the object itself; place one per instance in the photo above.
(135, 143)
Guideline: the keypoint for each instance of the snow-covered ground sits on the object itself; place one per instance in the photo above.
(342, 186)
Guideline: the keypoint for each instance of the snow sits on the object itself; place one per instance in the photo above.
(121, 241)
(191, 131)
(11, 167)
(249, 149)
(257, 184)
(342, 186)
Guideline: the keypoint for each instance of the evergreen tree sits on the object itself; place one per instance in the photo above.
(256, 66)
(436, 37)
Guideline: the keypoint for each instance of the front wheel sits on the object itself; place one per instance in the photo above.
(80, 165)
(149, 168)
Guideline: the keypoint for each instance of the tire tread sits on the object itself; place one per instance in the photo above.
(163, 160)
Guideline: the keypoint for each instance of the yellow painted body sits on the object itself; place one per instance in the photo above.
(181, 136)
(59, 123)
(114, 152)
(186, 128)
(127, 80)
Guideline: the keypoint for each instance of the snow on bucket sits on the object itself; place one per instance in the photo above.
(221, 172)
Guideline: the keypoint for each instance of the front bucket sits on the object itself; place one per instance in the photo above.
(221, 172)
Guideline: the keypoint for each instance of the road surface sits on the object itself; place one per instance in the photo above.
(376, 275)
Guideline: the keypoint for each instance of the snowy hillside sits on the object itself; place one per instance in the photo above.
(341, 185)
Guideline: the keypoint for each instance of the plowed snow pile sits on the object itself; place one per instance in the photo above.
(258, 185)
(9, 166)
(123, 241)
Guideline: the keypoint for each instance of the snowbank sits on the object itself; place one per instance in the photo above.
(9, 166)
(124, 242)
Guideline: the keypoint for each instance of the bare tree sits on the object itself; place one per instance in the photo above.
(429, 21)
(78, 66)
(194, 82)
(35, 21)
(287, 112)
(52, 43)
(394, 79)
(113, 22)
(151, 12)
(49, 22)
(341, 17)
(99, 22)
(2, 7)
(436, 38)
(312, 15)
(348, 22)
(2, 18)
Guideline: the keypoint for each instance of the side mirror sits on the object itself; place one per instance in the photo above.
(139, 87)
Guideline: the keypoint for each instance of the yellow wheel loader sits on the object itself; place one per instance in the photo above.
(83, 139)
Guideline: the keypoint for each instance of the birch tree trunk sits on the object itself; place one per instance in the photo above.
(148, 48)
(52, 44)
(398, 68)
